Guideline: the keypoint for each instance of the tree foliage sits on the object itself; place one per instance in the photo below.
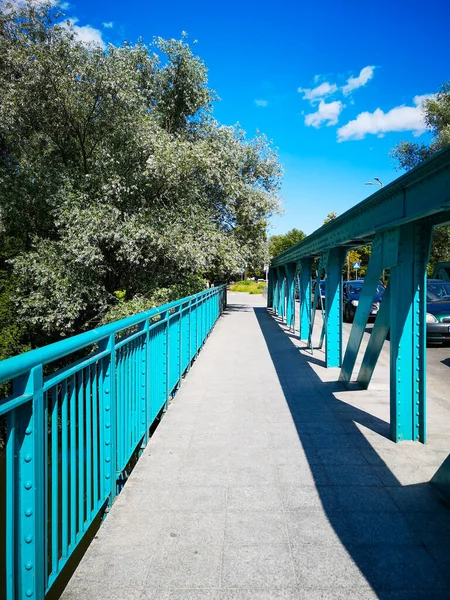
(114, 175)
(330, 217)
(280, 243)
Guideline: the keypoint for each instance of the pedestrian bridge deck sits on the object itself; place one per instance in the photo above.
(266, 479)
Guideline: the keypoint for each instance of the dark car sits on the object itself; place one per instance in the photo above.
(351, 293)
(320, 298)
(438, 311)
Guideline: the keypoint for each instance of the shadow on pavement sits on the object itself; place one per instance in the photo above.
(397, 535)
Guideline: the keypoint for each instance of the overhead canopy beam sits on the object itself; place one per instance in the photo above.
(421, 193)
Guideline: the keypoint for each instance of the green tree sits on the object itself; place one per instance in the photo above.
(330, 216)
(114, 176)
(408, 155)
(280, 243)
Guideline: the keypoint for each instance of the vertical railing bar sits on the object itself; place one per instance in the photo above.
(101, 419)
(80, 384)
(11, 517)
(53, 393)
(88, 419)
(46, 524)
(64, 470)
(73, 460)
(120, 380)
(95, 435)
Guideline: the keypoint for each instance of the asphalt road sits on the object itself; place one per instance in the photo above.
(438, 369)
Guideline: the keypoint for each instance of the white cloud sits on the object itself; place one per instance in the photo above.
(353, 83)
(108, 25)
(326, 113)
(262, 103)
(87, 34)
(64, 5)
(322, 90)
(399, 118)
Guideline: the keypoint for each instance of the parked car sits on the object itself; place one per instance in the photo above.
(321, 296)
(351, 293)
(438, 311)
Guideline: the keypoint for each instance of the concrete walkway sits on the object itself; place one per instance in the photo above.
(266, 480)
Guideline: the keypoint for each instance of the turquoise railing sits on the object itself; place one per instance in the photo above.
(71, 434)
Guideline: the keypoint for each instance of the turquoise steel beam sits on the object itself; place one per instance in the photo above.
(305, 297)
(408, 333)
(377, 338)
(383, 255)
(270, 290)
(276, 290)
(322, 262)
(282, 293)
(25, 568)
(418, 194)
(333, 308)
(290, 293)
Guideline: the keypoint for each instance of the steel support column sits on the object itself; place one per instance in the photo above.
(333, 307)
(290, 294)
(408, 333)
(282, 292)
(276, 290)
(384, 254)
(270, 288)
(305, 297)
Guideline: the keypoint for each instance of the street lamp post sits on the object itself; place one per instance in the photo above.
(378, 182)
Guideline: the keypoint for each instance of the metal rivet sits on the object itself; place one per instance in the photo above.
(106, 391)
(28, 485)
(107, 408)
(107, 443)
(28, 430)
(107, 425)
(29, 593)
(28, 566)
(107, 476)
(28, 512)
(27, 458)
(28, 538)
(107, 459)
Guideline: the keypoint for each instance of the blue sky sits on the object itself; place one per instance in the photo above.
(372, 61)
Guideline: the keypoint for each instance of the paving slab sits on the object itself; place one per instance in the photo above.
(267, 479)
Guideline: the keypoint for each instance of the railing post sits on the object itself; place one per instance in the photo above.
(109, 408)
(290, 293)
(305, 297)
(146, 408)
(26, 521)
(166, 352)
(333, 307)
(270, 288)
(408, 333)
(282, 292)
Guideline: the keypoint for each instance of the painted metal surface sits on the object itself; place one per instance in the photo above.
(397, 222)
(422, 192)
(72, 431)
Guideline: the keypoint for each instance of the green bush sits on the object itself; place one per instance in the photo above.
(251, 287)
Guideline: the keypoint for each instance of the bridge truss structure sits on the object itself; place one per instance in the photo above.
(397, 221)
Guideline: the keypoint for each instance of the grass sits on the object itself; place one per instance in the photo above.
(251, 287)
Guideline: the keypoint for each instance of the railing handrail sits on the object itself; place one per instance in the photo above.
(16, 366)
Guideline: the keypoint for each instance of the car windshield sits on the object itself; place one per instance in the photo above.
(356, 288)
(438, 291)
